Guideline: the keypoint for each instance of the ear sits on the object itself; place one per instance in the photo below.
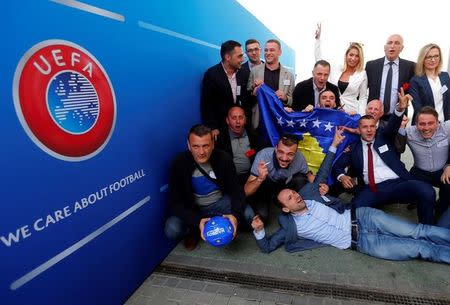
(285, 209)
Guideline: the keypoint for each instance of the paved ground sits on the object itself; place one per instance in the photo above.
(331, 266)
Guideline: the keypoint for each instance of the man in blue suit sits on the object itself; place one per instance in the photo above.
(381, 177)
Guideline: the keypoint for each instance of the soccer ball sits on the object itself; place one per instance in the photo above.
(218, 231)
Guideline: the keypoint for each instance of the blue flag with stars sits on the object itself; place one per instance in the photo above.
(320, 125)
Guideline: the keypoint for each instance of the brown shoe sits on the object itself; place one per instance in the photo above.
(191, 242)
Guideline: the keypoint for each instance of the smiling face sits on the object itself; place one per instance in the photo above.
(320, 75)
(432, 59)
(235, 58)
(271, 53)
(427, 125)
(327, 100)
(367, 129)
(393, 47)
(375, 109)
(291, 201)
(285, 154)
(253, 52)
(352, 58)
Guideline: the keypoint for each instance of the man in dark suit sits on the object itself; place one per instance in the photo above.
(307, 92)
(223, 86)
(391, 67)
(253, 51)
(382, 177)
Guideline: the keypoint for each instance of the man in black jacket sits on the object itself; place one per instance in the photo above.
(223, 86)
(307, 92)
(240, 142)
(202, 184)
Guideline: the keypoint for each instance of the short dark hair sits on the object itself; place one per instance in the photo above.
(427, 110)
(326, 90)
(227, 47)
(199, 130)
(366, 117)
(275, 41)
(322, 63)
(250, 41)
(288, 139)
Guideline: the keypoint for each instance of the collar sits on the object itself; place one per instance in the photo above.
(234, 136)
(224, 70)
(396, 61)
(316, 88)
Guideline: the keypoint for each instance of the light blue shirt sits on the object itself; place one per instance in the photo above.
(322, 224)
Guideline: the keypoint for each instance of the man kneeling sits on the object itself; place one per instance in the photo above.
(368, 230)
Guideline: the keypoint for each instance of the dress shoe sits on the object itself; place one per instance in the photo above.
(191, 242)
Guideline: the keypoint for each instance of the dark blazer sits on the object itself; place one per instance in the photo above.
(181, 195)
(287, 233)
(217, 96)
(304, 94)
(384, 136)
(420, 90)
(224, 143)
(374, 70)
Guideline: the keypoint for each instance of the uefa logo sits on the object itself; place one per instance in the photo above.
(64, 100)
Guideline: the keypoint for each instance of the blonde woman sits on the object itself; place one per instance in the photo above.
(430, 86)
(351, 78)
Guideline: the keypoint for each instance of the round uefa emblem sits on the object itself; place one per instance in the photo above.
(64, 100)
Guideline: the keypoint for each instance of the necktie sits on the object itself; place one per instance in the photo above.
(372, 185)
(388, 89)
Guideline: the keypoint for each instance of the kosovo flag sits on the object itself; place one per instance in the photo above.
(315, 129)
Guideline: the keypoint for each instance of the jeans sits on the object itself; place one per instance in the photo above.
(175, 228)
(386, 236)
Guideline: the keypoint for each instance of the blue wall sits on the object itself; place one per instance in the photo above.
(154, 54)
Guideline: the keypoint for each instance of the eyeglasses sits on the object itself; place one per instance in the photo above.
(356, 43)
(430, 57)
(253, 50)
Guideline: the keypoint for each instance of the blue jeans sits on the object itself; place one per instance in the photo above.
(175, 228)
(386, 236)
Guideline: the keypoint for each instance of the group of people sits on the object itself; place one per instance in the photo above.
(230, 170)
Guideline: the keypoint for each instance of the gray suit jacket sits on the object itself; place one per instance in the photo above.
(285, 84)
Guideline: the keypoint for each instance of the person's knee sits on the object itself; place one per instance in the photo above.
(425, 191)
(174, 228)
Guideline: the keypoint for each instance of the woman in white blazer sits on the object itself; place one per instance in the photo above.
(351, 78)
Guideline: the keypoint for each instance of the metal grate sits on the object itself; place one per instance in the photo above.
(296, 287)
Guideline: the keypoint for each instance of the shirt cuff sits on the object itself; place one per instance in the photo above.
(339, 177)
(259, 234)
(332, 149)
(402, 131)
(398, 113)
